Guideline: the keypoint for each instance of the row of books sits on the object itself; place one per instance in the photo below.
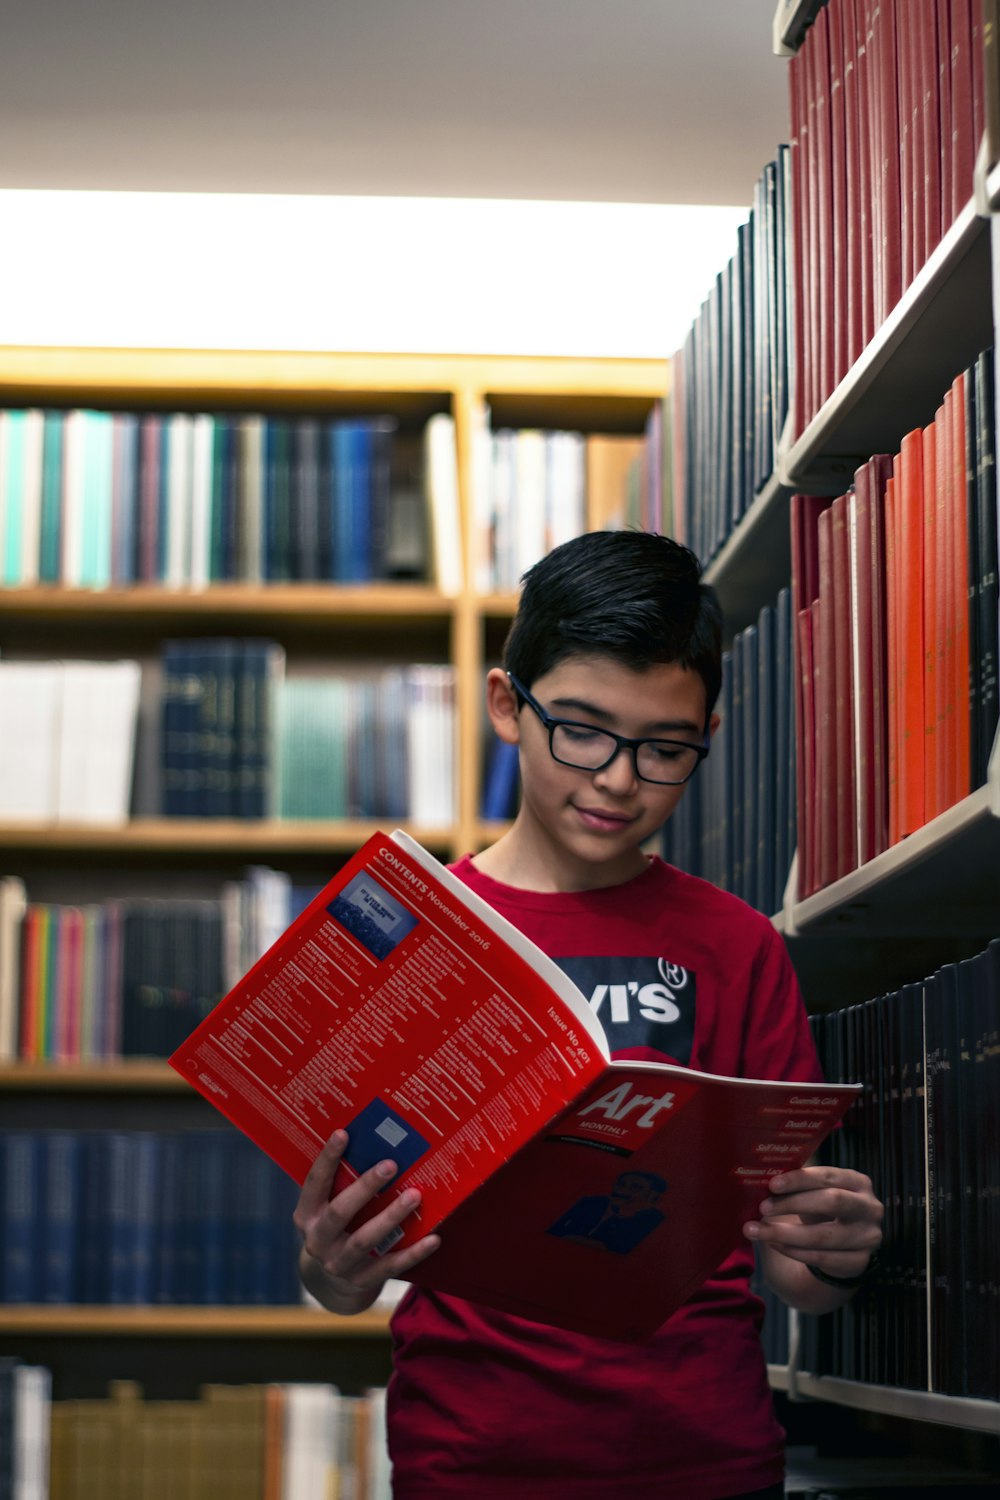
(68, 740)
(730, 378)
(215, 729)
(735, 824)
(927, 1132)
(280, 1441)
(129, 978)
(887, 108)
(895, 599)
(114, 1217)
(92, 499)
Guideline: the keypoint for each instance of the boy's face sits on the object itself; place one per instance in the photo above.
(585, 828)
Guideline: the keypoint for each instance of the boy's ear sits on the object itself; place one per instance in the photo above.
(713, 725)
(501, 705)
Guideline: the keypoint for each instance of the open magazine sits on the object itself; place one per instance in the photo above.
(401, 1007)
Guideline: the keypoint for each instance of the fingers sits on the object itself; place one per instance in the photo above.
(826, 1216)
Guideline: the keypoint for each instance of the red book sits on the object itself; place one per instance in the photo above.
(30, 1042)
(798, 148)
(856, 229)
(962, 148)
(906, 96)
(844, 809)
(929, 516)
(864, 222)
(879, 470)
(931, 125)
(811, 368)
(838, 267)
(806, 753)
(825, 675)
(859, 514)
(872, 116)
(892, 659)
(909, 497)
(804, 511)
(887, 187)
(826, 267)
(148, 518)
(942, 20)
(70, 975)
(413, 1016)
(959, 736)
(978, 77)
(944, 633)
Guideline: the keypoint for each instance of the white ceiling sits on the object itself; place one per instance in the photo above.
(644, 101)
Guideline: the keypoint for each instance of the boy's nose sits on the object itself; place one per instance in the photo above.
(619, 775)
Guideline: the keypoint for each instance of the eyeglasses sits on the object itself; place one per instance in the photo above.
(663, 762)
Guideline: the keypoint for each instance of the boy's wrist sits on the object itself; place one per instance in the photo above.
(335, 1295)
(846, 1283)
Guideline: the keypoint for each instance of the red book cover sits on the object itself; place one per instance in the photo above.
(888, 188)
(806, 753)
(961, 134)
(826, 267)
(892, 657)
(400, 1007)
(825, 674)
(929, 516)
(880, 471)
(798, 149)
(803, 511)
(856, 228)
(844, 809)
(70, 941)
(906, 95)
(944, 637)
(958, 684)
(872, 118)
(811, 368)
(931, 124)
(943, 33)
(909, 496)
(838, 268)
(859, 513)
(978, 76)
(29, 1040)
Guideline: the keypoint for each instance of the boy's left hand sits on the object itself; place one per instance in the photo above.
(827, 1217)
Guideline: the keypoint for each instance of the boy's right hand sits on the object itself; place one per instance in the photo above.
(338, 1266)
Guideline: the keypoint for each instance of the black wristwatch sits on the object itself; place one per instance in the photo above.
(846, 1283)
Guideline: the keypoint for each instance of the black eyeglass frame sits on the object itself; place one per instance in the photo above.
(622, 742)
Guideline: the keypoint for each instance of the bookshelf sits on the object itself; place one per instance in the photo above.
(931, 899)
(398, 621)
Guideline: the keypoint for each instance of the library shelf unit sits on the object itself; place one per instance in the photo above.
(171, 1349)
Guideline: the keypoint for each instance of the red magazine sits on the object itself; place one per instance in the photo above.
(402, 1008)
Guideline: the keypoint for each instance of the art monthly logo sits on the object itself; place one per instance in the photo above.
(640, 1001)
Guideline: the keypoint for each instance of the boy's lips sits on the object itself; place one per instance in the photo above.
(603, 818)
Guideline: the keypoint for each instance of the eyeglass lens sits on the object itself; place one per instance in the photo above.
(590, 749)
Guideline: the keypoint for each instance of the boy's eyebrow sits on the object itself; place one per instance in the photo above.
(664, 726)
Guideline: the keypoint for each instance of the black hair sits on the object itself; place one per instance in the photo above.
(631, 595)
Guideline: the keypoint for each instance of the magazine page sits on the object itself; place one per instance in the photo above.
(393, 1008)
(621, 1208)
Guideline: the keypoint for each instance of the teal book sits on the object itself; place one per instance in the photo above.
(312, 742)
(12, 482)
(50, 545)
(98, 437)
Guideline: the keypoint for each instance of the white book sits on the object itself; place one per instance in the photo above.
(30, 695)
(13, 905)
(441, 483)
(251, 530)
(179, 486)
(378, 1466)
(31, 496)
(565, 488)
(202, 447)
(529, 502)
(97, 733)
(482, 503)
(311, 1440)
(502, 508)
(430, 744)
(32, 1432)
(4, 487)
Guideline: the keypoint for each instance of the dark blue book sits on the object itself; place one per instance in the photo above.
(166, 1269)
(352, 491)
(22, 1175)
(766, 795)
(94, 1259)
(381, 432)
(60, 1270)
(501, 786)
(748, 755)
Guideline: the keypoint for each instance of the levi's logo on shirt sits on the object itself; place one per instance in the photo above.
(640, 1002)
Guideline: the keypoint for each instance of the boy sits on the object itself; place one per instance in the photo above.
(611, 672)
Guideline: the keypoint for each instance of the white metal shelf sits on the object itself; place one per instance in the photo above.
(755, 561)
(937, 328)
(893, 1401)
(792, 20)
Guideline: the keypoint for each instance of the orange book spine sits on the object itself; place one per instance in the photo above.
(961, 735)
(931, 586)
(30, 937)
(910, 495)
(892, 659)
(942, 525)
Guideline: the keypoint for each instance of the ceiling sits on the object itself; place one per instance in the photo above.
(644, 101)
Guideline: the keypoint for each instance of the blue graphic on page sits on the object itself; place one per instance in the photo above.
(372, 915)
(380, 1133)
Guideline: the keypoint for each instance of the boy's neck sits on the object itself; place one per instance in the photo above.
(524, 859)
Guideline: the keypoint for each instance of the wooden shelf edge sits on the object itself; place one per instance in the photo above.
(118, 1075)
(322, 602)
(213, 835)
(191, 1322)
(923, 1406)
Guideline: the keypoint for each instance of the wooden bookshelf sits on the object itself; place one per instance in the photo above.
(192, 1322)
